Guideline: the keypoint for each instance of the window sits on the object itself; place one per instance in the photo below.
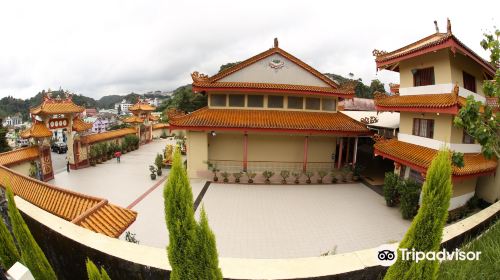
(255, 101)
(469, 82)
(275, 101)
(295, 102)
(312, 103)
(218, 100)
(467, 139)
(328, 104)
(416, 176)
(236, 100)
(423, 128)
(423, 77)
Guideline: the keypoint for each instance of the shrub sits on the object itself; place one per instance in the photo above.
(93, 272)
(225, 175)
(409, 192)
(8, 251)
(297, 176)
(159, 161)
(321, 175)
(207, 259)
(31, 254)
(308, 174)
(426, 229)
(250, 175)
(390, 188)
(237, 176)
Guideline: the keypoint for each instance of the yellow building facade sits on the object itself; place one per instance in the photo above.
(437, 74)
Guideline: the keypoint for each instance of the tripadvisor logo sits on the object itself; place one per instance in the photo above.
(387, 255)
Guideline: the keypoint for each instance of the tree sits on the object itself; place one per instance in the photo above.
(181, 225)
(426, 229)
(376, 85)
(4, 146)
(228, 65)
(185, 100)
(8, 251)
(31, 254)
(485, 126)
(94, 273)
(207, 257)
(192, 250)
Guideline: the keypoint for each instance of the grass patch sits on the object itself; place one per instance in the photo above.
(488, 266)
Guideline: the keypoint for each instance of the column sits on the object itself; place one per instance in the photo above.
(306, 144)
(347, 155)
(355, 155)
(341, 146)
(245, 151)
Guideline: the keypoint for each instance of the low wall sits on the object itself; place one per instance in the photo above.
(67, 245)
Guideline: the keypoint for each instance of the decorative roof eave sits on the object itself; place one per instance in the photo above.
(272, 88)
(263, 55)
(20, 155)
(279, 130)
(108, 135)
(452, 110)
(133, 119)
(160, 126)
(141, 106)
(79, 125)
(448, 42)
(37, 130)
(489, 166)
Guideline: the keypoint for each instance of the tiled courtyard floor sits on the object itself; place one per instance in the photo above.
(250, 221)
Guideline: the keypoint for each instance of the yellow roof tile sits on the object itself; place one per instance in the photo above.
(19, 155)
(97, 137)
(37, 130)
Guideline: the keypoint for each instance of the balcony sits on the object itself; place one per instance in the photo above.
(440, 89)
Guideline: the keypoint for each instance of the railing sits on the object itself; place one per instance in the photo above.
(233, 166)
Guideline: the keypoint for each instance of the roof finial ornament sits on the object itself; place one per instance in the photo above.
(275, 42)
(436, 25)
(448, 26)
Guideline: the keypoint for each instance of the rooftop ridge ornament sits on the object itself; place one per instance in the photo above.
(436, 25)
(448, 26)
(377, 53)
(276, 44)
(199, 77)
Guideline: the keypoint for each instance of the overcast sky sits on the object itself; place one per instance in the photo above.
(98, 48)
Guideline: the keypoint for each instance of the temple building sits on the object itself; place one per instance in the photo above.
(269, 112)
(437, 74)
(142, 120)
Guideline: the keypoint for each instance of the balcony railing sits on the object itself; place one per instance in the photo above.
(233, 166)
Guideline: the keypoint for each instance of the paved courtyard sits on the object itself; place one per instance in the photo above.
(251, 221)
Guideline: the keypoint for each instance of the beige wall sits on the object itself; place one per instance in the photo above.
(439, 60)
(460, 63)
(261, 72)
(197, 152)
(275, 148)
(225, 146)
(22, 168)
(321, 148)
(442, 125)
(464, 187)
(488, 187)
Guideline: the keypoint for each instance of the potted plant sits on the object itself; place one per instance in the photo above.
(268, 174)
(213, 168)
(345, 173)
(296, 175)
(152, 169)
(250, 175)
(225, 175)
(356, 172)
(334, 176)
(284, 175)
(321, 174)
(92, 155)
(308, 174)
(237, 176)
(159, 164)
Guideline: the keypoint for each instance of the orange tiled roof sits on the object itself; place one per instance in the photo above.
(160, 125)
(153, 118)
(269, 120)
(97, 137)
(421, 100)
(422, 157)
(141, 106)
(430, 43)
(19, 155)
(93, 213)
(133, 119)
(56, 106)
(80, 125)
(37, 130)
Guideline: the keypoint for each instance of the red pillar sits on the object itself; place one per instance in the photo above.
(355, 150)
(341, 146)
(348, 140)
(245, 151)
(306, 144)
